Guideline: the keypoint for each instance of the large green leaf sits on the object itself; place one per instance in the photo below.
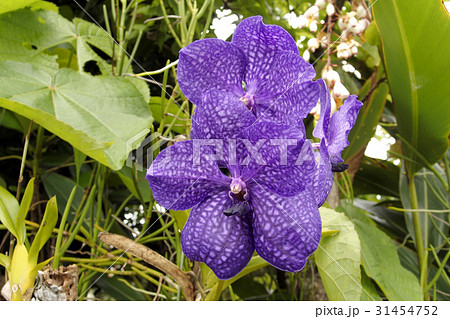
(338, 258)
(415, 37)
(11, 5)
(30, 36)
(103, 116)
(380, 259)
(25, 36)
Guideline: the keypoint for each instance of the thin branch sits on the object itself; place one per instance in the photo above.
(152, 258)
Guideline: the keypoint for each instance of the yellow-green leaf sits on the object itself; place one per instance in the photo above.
(338, 258)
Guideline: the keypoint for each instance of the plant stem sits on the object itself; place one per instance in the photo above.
(418, 235)
(24, 156)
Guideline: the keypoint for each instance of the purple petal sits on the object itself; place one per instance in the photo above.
(293, 106)
(278, 144)
(219, 115)
(287, 69)
(323, 179)
(286, 231)
(260, 42)
(321, 129)
(287, 89)
(223, 243)
(289, 180)
(210, 63)
(179, 180)
(340, 125)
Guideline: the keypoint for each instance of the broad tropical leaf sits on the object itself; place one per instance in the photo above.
(338, 258)
(103, 116)
(380, 259)
(415, 44)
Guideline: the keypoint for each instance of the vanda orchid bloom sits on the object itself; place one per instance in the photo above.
(262, 58)
(251, 178)
(265, 203)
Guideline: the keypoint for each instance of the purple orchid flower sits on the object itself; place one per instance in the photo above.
(254, 192)
(262, 58)
(333, 133)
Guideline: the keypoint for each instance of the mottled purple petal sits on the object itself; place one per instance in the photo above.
(340, 125)
(293, 106)
(210, 63)
(260, 42)
(180, 180)
(323, 177)
(286, 231)
(220, 114)
(223, 243)
(279, 144)
(321, 129)
(290, 180)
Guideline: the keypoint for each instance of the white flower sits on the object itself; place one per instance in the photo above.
(313, 44)
(342, 24)
(343, 51)
(313, 26)
(352, 22)
(306, 55)
(312, 12)
(320, 3)
(361, 11)
(339, 90)
(324, 41)
(302, 21)
(330, 9)
(330, 76)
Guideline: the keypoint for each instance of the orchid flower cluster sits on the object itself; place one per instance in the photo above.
(249, 175)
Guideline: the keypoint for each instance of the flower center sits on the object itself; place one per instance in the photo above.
(238, 193)
(248, 100)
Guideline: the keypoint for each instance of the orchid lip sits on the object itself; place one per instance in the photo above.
(248, 100)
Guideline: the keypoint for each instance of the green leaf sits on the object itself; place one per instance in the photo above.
(369, 292)
(45, 230)
(212, 281)
(61, 187)
(380, 259)
(23, 210)
(428, 188)
(103, 117)
(80, 157)
(9, 208)
(126, 175)
(4, 261)
(180, 216)
(12, 5)
(415, 44)
(158, 110)
(338, 258)
(118, 290)
(27, 35)
(367, 121)
(377, 177)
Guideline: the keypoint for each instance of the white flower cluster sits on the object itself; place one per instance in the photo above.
(351, 24)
